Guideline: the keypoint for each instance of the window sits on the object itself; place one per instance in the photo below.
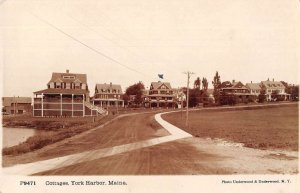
(77, 85)
(51, 85)
(69, 77)
(57, 85)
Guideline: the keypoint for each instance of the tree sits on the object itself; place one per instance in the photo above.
(217, 84)
(137, 90)
(294, 91)
(262, 96)
(197, 83)
(194, 97)
(204, 84)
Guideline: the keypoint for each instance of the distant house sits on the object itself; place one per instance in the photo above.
(108, 95)
(207, 97)
(254, 88)
(16, 105)
(160, 95)
(274, 88)
(180, 97)
(131, 100)
(236, 89)
(67, 94)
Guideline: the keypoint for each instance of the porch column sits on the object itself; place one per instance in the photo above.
(101, 103)
(83, 107)
(33, 106)
(60, 104)
(122, 103)
(72, 105)
(92, 109)
(42, 104)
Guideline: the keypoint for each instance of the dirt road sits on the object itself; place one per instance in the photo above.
(188, 157)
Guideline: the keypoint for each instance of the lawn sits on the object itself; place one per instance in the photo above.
(270, 128)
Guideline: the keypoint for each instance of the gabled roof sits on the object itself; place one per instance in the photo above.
(61, 91)
(253, 86)
(237, 84)
(157, 85)
(7, 101)
(105, 87)
(234, 85)
(272, 84)
(57, 76)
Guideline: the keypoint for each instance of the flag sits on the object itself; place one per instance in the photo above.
(161, 76)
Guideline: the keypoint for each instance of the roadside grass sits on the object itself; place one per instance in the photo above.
(51, 131)
(269, 128)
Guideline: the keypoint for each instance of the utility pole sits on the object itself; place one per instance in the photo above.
(187, 96)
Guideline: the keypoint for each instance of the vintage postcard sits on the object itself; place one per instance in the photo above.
(149, 96)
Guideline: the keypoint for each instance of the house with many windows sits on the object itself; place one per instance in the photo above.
(235, 89)
(67, 94)
(254, 88)
(108, 95)
(274, 88)
(160, 95)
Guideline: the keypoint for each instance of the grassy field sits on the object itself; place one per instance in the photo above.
(270, 128)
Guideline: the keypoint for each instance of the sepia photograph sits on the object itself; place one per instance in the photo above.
(133, 95)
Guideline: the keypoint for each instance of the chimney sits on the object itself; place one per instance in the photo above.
(251, 81)
(268, 79)
(233, 81)
(110, 84)
(273, 79)
(67, 71)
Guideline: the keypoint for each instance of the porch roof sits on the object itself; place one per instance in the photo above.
(61, 91)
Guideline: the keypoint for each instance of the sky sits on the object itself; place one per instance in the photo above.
(128, 41)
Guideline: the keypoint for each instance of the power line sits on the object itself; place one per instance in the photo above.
(87, 46)
(125, 39)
